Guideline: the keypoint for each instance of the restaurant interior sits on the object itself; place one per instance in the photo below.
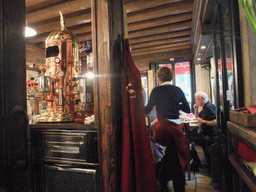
(61, 89)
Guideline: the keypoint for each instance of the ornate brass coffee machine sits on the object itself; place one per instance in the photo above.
(58, 84)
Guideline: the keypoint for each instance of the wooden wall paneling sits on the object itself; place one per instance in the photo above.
(35, 55)
(107, 22)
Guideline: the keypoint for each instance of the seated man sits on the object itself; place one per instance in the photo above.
(207, 120)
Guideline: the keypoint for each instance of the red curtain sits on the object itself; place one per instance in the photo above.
(138, 167)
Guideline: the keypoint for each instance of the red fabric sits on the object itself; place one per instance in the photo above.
(138, 167)
(245, 152)
(164, 130)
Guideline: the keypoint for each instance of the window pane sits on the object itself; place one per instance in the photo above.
(144, 83)
(182, 79)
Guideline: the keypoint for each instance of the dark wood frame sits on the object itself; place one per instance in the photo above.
(14, 134)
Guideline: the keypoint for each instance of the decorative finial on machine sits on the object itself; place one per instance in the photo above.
(62, 23)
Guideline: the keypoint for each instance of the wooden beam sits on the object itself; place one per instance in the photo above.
(159, 21)
(207, 11)
(65, 7)
(161, 11)
(166, 48)
(178, 54)
(32, 5)
(206, 29)
(139, 5)
(83, 33)
(155, 37)
(107, 26)
(160, 42)
(76, 18)
(196, 25)
(163, 29)
(142, 65)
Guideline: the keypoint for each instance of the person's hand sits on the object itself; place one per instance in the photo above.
(196, 106)
(200, 120)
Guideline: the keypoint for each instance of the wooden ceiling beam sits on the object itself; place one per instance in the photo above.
(138, 5)
(32, 5)
(65, 7)
(74, 18)
(160, 36)
(83, 31)
(82, 28)
(162, 29)
(159, 21)
(81, 37)
(178, 54)
(163, 48)
(160, 42)
(161, 11)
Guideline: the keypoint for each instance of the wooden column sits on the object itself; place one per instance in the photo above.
(14, 154)
(107, 25)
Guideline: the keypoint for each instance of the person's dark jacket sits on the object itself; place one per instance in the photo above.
(169, 100)
(208, 113)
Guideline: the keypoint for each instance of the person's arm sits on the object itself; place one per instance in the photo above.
(196, 110)
(210, 123)
(151, 102)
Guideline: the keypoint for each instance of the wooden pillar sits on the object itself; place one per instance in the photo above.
(14, 151)
(107, 25)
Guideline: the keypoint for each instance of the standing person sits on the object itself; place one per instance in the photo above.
(207, 119)
(168, 101)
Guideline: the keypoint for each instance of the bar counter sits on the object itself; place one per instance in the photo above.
(64, 125)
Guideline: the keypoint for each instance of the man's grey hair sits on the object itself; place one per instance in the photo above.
(202, 95)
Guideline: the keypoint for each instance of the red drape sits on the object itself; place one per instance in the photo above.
(138, 167)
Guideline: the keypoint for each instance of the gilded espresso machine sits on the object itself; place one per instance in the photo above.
(58, 83)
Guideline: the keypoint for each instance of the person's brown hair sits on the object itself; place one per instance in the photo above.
(164, 74)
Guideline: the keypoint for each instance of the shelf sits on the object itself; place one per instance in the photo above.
(248, 135)
(33, 69)
(245, 174)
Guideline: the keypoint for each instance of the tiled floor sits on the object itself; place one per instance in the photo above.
(200, 181)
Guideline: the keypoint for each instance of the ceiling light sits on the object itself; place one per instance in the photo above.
(89, 75)
(203, 47)
(29, 32)
(198, 59)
